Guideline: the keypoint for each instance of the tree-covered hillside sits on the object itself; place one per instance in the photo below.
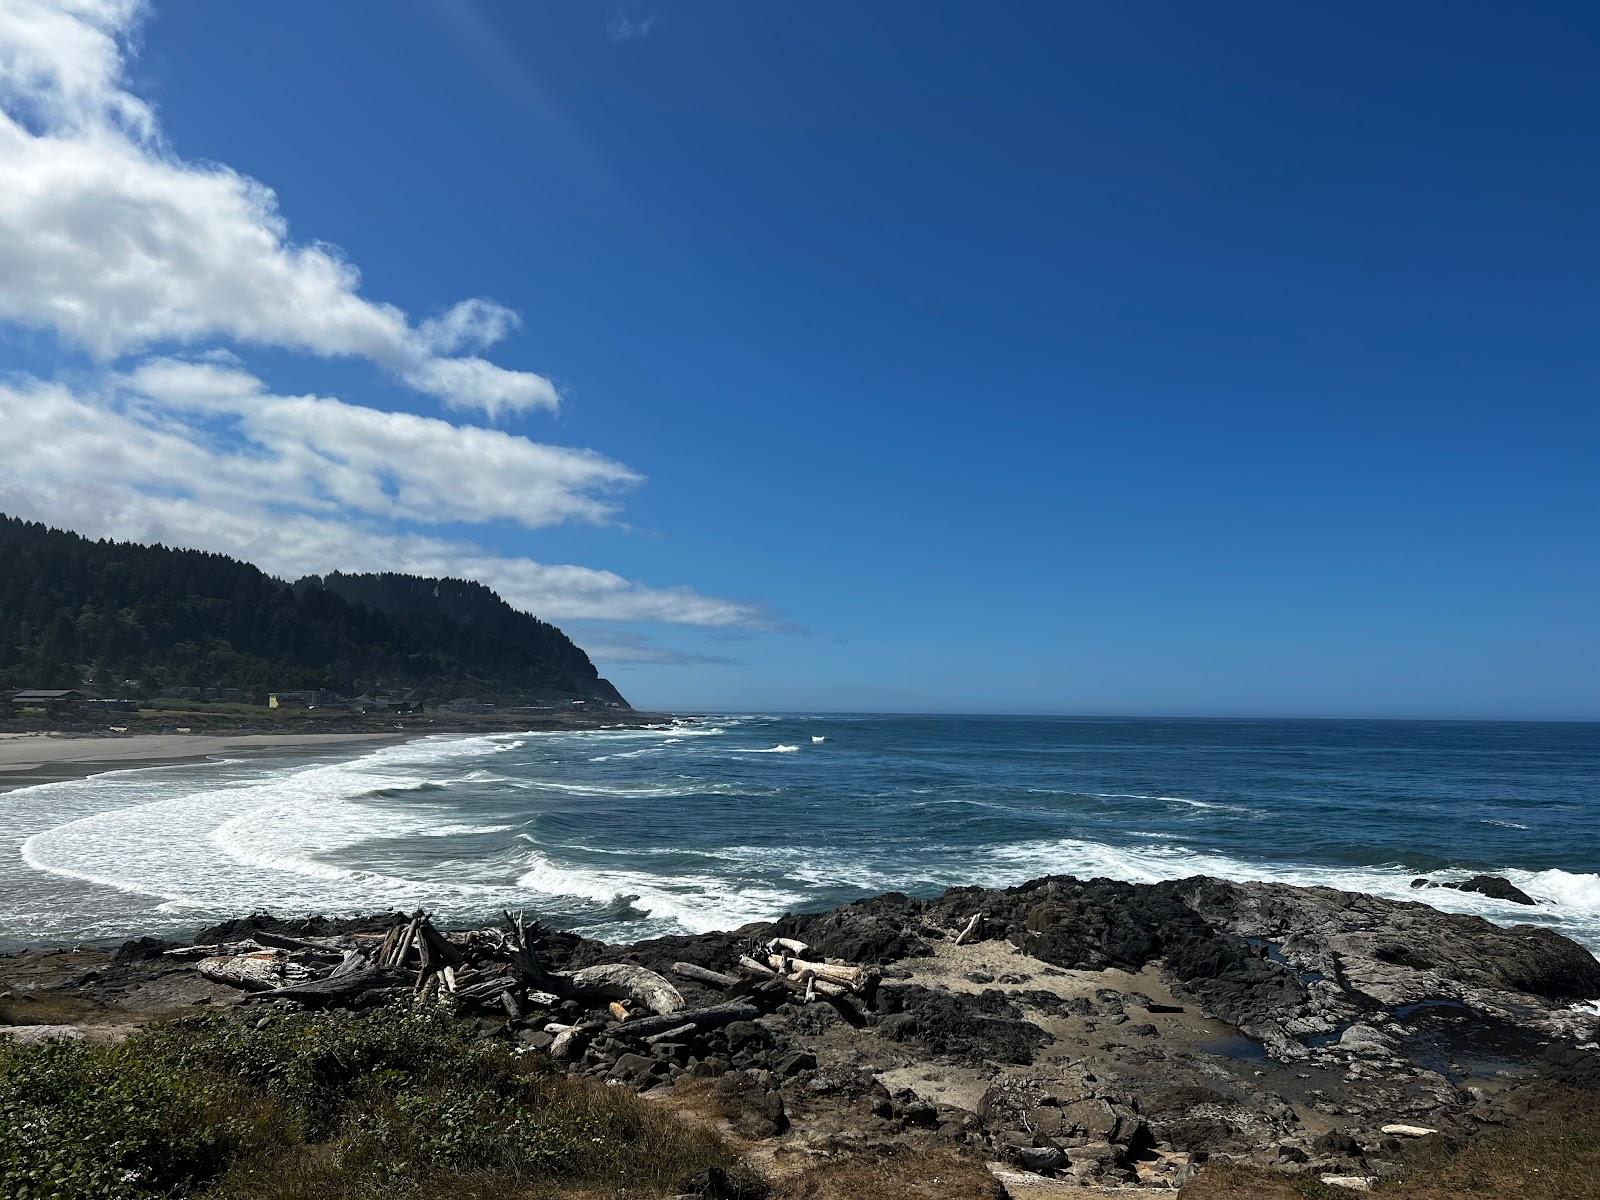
(76, 612)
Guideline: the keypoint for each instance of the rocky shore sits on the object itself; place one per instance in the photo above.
(1080, 1034)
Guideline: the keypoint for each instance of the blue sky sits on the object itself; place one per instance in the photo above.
(1135, 358)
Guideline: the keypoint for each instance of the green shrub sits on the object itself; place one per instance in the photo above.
(82, 1120)
(388, 1104)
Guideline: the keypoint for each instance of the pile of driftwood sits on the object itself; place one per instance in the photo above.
(476, 969)
(496, 971)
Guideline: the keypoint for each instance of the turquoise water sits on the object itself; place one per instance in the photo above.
(711, 822)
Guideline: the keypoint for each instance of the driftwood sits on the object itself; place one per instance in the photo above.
(973, 930)
(704, 975)
(621, 981)
(695, 1018)
(283, 942)
(779, 945)
(756, 968)
(219, 950)
(259, 971)
(344, 987)
(853, 978)
(353, 961)
(670, 1035)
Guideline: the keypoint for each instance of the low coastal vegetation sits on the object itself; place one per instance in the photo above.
(399, 1104)
(392, 1103)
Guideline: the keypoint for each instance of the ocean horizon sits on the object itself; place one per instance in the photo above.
(717, 820)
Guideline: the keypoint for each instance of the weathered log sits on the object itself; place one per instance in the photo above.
(782, 944)
(622, 981)
(699, 1018)
(262, 971)
(488, 990)
(219, 950)
(404, 947)
(755, 967)
(851, 977)
(441, 946)
(343, 988)
(973, 928)
(352, 961)
(284, 942)
(704, 975)
(385, 950)
(669, 1035)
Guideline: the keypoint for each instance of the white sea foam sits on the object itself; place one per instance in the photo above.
(1203, 804)
(1571, 901)
(240, 846)
(463, 830)
(606, 789)
(780, 749)
(633, 753)
(1501, 824)
(698, 903)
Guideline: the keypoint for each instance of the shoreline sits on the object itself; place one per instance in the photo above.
(29, 760)
(35, 757)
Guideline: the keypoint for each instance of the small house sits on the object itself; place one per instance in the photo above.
(47, 698)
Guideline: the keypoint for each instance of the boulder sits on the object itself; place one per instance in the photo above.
(1496, 887)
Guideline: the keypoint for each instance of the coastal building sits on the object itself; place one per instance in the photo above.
(47, 698)
(382, 704)
(303, 698)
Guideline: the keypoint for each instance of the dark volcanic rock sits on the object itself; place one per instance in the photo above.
(1400, 952)
(959, 1025)
(1573, 1067)
(141, 950)
(883, 929)
(1493, 886)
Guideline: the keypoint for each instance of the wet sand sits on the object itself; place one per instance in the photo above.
(28, 759)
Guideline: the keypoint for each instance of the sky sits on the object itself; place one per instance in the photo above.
(1136, 358)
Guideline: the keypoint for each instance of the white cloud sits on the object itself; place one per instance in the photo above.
(214, 430)
(114, 242)
(623, 28)
(144, 459)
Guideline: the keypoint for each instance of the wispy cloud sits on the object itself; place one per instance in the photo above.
(611, 647)
(115, 242)
(623, 28)
(201, 454)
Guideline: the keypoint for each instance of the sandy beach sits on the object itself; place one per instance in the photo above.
(27, 759)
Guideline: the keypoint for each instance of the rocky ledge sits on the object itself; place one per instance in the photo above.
(1087, 1031)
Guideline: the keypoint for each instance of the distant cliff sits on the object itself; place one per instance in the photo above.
(126, 618)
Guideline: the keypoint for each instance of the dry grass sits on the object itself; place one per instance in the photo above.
(938, 1175)
(1553, 1153)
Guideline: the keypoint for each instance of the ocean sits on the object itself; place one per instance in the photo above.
(710, 822)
